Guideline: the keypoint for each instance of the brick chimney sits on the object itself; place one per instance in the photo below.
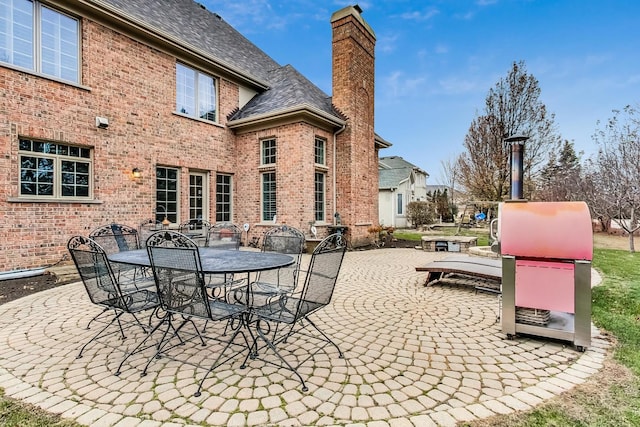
(353, 59)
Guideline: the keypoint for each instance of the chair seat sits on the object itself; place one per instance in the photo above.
(286, 309)
(269, 288)
(221, 310)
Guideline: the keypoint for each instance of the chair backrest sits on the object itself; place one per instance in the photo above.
(177, 270)
(284, 240)
(224, 235)
(95, 271)
(146, 229)
(322, 274)
(169, 239)
(115, 238)
(197, 230)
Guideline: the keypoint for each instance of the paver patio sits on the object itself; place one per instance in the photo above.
(414, 356)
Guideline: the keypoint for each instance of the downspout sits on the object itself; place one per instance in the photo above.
(335, 191)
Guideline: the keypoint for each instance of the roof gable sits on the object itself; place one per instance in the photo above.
(394, 170)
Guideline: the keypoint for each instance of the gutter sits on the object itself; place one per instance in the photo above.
(287, 113)
(335, 190)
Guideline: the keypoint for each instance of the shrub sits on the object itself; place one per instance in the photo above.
(420, 213)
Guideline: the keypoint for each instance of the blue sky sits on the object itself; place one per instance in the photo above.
(436, 61)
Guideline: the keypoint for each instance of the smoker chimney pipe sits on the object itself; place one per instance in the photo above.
(517, 165)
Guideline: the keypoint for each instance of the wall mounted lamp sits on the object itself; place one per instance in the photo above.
(136, 173)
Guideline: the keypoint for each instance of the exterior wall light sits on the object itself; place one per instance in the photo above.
(102, 122)
(136, 173)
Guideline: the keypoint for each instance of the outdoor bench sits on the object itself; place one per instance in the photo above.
(477, 267)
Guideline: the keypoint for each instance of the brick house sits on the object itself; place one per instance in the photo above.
(129, 110)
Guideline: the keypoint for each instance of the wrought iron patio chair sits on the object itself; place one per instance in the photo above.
(197, 230)
(286, 240)
(225, 235)
(177, 270)
(103, 287)
(146, 229)
(169, 239)
(292, 311)
(114, 238)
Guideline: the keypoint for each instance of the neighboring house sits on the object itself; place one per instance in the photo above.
(399, 183)
(126, 110)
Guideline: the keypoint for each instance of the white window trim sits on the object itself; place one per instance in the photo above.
(195, 116)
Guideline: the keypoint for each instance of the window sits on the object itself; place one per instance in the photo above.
(319, 151)
(319, 196)
(50, 170)
(268, 196)
(167, 194)
(38, 38)
(223, 198)
(400, 205)
(268, 151)
(198, 196)
(195, 93)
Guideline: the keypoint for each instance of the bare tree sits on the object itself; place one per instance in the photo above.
(512, 107)
(617, 171)
(449, 177)
(591, 193)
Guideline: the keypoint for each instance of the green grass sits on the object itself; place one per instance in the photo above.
(616, 304)
(17, 414)
(481, 233)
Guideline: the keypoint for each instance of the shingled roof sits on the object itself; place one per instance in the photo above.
(195, 28)
(288, 89)
(394, 170)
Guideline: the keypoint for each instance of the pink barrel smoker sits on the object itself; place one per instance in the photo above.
(546, 249)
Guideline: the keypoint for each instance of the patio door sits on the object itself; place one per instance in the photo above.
(198, 196)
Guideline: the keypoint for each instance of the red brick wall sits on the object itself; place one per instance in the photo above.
(133, 86)
(295, 172)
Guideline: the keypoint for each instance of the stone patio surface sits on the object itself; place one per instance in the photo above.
(415, 356)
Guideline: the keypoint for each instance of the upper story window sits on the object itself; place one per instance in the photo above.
(49, 170)
(268, 151)
(39, 38)
(320, 158)
(195, 93)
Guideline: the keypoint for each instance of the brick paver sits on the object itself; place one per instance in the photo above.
(413, 355)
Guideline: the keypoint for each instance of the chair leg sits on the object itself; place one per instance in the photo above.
(99, 334)
(270, 344)
(162, 348)
(97, 316)
(218, 361)
(329, 340)
(140, 344)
